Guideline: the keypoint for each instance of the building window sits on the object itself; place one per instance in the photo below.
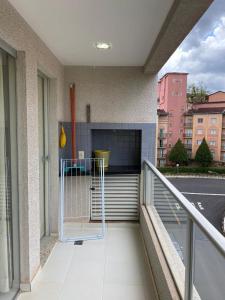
(161, 143)
(188, 132)
(213, 120)
(199, 131)
(200, 120)
(213, 131)
(199, 142)
(212, 143)
(161, 133)
(213, 154)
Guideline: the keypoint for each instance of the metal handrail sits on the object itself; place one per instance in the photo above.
(210, 231)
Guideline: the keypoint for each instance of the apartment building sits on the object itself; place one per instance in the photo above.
(206, 120)
(189, 122)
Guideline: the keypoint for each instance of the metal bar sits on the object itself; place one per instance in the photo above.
(103, 201)
(61, 214)
(210, 231)
(189, 266)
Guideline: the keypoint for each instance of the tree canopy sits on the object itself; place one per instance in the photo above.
(203, 154)
(197, 94)
(178, 153)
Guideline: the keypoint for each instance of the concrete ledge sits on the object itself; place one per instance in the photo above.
(181, 18)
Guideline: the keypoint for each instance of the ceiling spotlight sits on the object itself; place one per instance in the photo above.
(103, 45)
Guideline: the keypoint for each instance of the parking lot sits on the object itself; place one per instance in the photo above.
(206, 194)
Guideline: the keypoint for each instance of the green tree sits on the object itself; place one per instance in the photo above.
(203, 154)
(197, 94)
(178, 153)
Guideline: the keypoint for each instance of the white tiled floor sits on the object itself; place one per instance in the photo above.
(115, 268)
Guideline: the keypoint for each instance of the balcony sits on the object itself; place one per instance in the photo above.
(162, 135)
(162, 156)
(188, 146)
(188, 135)
(188, 124)
(113, 268)
(162, 146)
(177, 241)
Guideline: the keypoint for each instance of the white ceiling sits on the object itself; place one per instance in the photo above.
(70, 27)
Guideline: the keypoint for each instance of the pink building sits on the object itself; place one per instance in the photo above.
(172, 104)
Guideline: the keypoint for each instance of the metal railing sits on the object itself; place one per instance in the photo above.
(188, 146)
(188, 124)
(162, 135)
(193, 247)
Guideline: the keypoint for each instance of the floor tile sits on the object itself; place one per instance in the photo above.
(112, 268)
(123, 273)
(72, 291)
(123, 292)
(50, 291)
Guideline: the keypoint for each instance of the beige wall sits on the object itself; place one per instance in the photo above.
(33, 55)
(116, 94)
(206, 126)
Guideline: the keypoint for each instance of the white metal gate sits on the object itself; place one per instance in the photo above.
(77, 176)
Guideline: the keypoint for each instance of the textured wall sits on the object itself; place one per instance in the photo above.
(15, 31)
(116, 94)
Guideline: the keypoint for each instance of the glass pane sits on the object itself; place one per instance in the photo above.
(209, 268)
(8, 180)
(5, 195)
(170, 221)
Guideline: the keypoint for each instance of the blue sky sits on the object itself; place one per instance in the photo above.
(202, 53)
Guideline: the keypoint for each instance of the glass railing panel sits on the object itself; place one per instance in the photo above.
(209, 268)
(170, 222)
(194, 249)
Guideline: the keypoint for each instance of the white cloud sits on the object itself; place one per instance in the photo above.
(202, 53)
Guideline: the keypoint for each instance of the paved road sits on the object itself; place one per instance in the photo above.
(208, 196)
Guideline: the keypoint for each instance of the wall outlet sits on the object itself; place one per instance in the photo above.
(81, 154)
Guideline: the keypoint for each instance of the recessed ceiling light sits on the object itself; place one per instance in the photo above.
(103, 45)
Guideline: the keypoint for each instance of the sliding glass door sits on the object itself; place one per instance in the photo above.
(9, 246)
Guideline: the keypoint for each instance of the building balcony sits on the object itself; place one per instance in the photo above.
(223, 137)
(162, 156)
(223, 125)
(162, 146)
(188, 146)
(177, 239)
(188, 124)
(162, 135)
(188, 135)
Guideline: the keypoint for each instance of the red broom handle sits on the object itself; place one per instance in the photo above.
(73, 120)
